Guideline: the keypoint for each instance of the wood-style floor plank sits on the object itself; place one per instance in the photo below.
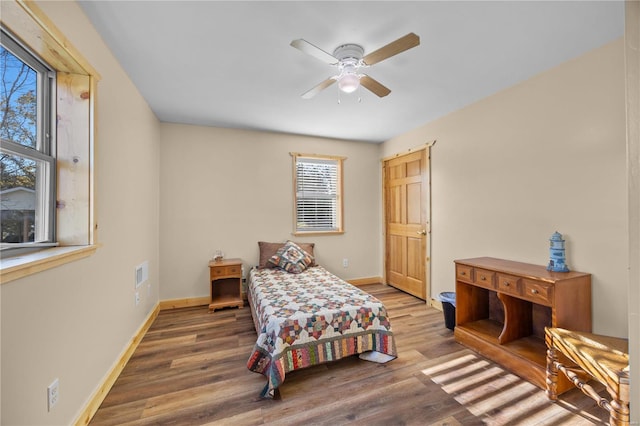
(190, 369)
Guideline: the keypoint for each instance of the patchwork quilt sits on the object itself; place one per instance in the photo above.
(310, 318)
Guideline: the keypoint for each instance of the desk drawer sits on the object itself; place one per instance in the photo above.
(538, 292)
(509, 284)
(464, 273)
(484, 278)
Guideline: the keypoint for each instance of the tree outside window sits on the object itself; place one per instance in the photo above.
(26, 162)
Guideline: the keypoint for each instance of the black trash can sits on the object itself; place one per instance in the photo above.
(448, 299)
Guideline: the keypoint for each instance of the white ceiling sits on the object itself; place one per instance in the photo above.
(229, 63)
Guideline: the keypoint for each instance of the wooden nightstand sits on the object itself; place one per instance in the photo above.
(225, 277)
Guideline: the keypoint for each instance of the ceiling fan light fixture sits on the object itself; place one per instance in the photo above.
(349, 83)
(349, 59)
(349, 79)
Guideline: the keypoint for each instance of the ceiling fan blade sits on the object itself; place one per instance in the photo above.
(374, 86)
(316, 52)
(391, 49)
(319, 88)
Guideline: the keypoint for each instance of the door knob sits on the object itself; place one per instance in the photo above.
(423, 232)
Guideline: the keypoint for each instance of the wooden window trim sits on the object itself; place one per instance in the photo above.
(76, 81)
(17, 267)
(340, 160)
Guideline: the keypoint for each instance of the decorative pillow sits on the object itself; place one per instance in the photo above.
(267, 250)
(291, 258)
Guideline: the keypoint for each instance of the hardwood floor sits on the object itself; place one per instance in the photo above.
(190, 369)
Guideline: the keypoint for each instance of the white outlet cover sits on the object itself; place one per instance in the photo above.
(53, 394)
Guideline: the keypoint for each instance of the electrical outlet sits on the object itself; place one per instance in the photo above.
(345, 262)
(53, 394)
(137, 298)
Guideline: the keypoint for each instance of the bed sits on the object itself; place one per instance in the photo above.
(311, 317)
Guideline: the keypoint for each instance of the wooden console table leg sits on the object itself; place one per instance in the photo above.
(552, 374)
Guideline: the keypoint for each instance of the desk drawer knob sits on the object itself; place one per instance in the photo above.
(463, 273)
(507, 284)
(483, 278)
(534, 291)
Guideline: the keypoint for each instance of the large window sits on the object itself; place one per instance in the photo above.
(27, 163)
(317, 193)
(47, 145)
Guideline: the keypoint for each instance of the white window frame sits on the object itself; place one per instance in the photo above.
(317, 225)
(44, 151)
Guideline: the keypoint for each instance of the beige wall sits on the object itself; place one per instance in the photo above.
(228, 189)
(74, 321)
(545, 155)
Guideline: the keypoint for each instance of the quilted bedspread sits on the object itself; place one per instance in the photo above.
(310, 318)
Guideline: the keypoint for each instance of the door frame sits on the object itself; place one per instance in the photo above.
(427, 261)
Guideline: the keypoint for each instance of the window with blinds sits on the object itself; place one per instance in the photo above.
(318, 193)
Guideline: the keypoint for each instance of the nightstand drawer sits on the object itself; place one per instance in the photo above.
(233, 270)
(538, 292)
(226, 271)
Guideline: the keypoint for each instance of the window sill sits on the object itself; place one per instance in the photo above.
(20, 266)
(306, 233)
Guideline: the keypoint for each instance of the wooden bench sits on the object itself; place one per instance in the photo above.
(590, 356)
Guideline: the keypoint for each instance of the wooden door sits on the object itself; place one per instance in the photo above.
(406, 204)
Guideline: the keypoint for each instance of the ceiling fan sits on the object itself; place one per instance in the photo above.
(349, 59)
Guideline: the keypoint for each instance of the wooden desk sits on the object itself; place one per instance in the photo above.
(503, 307)
(225, 278)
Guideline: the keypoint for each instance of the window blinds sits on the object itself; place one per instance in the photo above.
(317, 194)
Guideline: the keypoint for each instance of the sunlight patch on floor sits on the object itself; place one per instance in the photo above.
(494, 374)
(448, 365)
(490, 396)
(499, 397)
(461, 372)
